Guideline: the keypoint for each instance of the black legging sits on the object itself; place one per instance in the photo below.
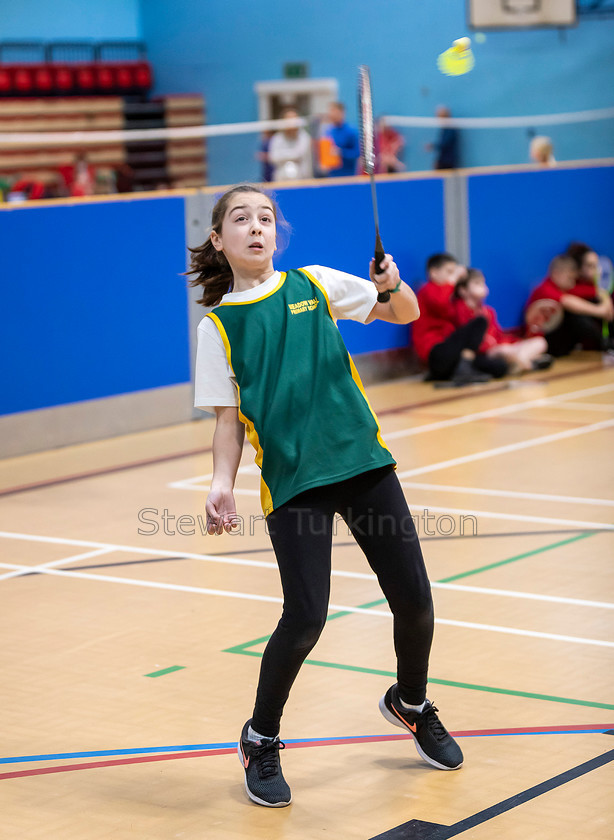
(575, 329)
(374, 508)
(445, 356)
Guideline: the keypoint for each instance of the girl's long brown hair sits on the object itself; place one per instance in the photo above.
(210, 267)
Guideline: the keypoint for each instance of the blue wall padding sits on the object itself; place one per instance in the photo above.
(93, 304)
(519, 221)
(333, 226)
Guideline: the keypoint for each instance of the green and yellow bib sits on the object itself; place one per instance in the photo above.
(300, 395)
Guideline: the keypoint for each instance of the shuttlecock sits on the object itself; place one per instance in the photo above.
(458, 59)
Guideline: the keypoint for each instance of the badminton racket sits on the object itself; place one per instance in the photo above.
(543, 316)
(367, 150)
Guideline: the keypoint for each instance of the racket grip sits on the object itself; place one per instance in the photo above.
(382, 297)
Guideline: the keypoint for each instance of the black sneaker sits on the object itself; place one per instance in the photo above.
(465, 373)
(264, 781)
(542, 362)
(433, 741)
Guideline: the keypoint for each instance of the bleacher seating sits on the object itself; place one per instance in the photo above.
(85, 87)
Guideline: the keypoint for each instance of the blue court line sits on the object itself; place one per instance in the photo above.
(232, 744)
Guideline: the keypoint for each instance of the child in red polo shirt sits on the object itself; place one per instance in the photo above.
(583, 308)
(449, 351)
(468, 300)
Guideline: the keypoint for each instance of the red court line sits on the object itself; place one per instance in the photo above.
(462, 395)
(37, 485)
(367, 739)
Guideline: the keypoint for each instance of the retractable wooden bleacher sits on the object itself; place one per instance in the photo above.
(67, 87)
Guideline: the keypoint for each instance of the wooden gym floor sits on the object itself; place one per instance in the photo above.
(132, 642)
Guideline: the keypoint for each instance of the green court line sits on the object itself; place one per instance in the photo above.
(244, 647)
(517, 557)
(453, 683)
(166, 671)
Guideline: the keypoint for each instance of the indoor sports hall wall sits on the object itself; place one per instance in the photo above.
(221, 50)
(98, 20)
(99, 326)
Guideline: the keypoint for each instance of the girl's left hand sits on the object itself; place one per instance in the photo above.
(388, 278)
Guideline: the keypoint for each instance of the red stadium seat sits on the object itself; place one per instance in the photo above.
(142, 75)
(63, 78)
(85, 78)
(22, 80)
(43, 79)
(123, 77)
(104, 77)
(6, 83)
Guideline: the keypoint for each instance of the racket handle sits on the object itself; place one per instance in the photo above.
(382, 297)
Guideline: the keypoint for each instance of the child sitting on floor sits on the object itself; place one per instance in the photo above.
(450, 352)
(583, 307)
(468, 301)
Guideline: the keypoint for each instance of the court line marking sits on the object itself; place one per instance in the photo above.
(36, 569)
(542, 402)
(573, 729)
(462, 397)
(509, 494)
(452, 587)
(584, 406)
(230, 748)
(250, 596)
(512, 517)
(189, 483)
(510, 447)
(445, 583)
(490, 689)
(420, 830)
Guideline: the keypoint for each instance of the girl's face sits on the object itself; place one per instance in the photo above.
(590, 266)
(477, 288)
(248, 232)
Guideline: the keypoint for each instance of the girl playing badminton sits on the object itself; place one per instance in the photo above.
(272, 362)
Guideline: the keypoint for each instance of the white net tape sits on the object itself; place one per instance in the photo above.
(61, 138)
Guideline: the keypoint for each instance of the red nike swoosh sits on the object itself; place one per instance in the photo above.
(411, 726)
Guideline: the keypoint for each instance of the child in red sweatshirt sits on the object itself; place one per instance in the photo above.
(583, 305)
(468, 300)
(451, 352)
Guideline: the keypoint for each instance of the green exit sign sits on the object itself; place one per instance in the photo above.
(296, 70)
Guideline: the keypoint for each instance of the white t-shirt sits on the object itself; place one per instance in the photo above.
(291, 157)
(215, 385)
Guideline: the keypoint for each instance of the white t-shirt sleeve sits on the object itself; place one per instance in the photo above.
(214, 382)
(350, 297)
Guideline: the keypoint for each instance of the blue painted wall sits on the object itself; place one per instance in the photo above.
(98, 20)
(333, 226)
(519, 221)
(222, 50)
(93, 304)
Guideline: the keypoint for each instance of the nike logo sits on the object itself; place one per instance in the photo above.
(411, 726)
(245, 760)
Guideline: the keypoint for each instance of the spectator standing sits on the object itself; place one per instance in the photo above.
(344, 141)
(446, 144)
(290, 151)
(262, 155)
(541, 151)
(389, 144)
